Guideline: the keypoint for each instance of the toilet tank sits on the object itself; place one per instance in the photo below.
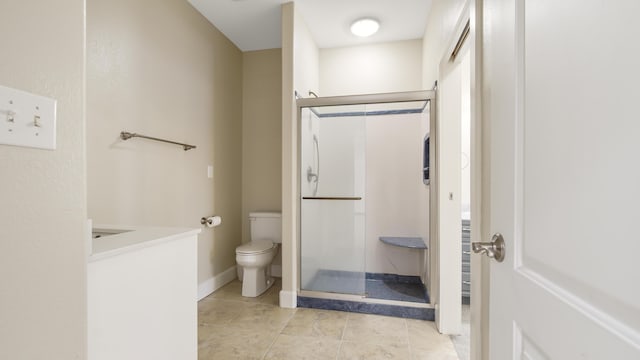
(266, 226)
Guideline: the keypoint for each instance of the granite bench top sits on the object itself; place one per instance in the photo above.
(405, 242)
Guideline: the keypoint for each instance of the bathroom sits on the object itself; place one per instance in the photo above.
(238, 135)
(162, 70)
(225, 101)
(159, 68)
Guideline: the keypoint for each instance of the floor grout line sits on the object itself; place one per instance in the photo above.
(264, 356)
(344, 331)
(406, 326)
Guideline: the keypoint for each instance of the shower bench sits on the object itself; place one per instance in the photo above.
(405, 242)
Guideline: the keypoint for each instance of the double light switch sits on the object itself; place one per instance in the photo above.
(27, 119)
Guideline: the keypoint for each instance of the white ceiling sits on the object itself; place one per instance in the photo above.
(256, 25)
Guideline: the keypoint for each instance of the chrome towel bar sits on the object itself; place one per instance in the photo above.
(127, 135)
(331, 198)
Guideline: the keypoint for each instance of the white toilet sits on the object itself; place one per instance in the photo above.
(254, 258)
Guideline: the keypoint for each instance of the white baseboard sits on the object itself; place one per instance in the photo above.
(288, 299)
(206, 287)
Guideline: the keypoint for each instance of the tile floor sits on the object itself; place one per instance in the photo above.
(462, 342)
(233, 327)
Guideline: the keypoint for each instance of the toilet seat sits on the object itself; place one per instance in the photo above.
(255, 247)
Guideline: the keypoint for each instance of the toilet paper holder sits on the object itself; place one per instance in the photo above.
(211, 221)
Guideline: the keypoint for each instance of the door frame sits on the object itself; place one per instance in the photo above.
(480, 275)
(472, 12)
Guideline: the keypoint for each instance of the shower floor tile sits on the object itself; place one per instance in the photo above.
(376, 286)
(389, 290)
(335, 281)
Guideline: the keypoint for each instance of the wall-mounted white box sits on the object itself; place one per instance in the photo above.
(27, 119)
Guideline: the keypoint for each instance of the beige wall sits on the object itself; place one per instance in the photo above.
(306, 64)
(261, 134)
(369, 69)
(445, 214)
(289, 248)
(299, 72)
(43, 212)
(397, 201)
(440, 29)
(161, 69)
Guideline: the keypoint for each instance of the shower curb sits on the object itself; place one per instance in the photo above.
(367, 308)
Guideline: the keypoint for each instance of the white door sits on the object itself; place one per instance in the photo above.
(561, 104)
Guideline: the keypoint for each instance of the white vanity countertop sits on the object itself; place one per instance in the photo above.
(133, 238)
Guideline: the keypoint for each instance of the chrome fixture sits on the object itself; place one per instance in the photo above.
(331, 198)
(315, 176)
(493, 249)
(127, 135)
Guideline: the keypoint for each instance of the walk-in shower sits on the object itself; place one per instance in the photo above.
(364, 207)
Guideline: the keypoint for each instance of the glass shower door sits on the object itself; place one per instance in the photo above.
(332, 203)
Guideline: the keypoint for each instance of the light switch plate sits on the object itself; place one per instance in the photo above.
(27, 119)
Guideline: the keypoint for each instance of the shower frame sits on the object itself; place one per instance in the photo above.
(381, 98)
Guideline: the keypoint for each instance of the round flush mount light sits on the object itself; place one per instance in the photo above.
(365, 27)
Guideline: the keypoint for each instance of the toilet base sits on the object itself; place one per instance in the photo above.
(255, 281)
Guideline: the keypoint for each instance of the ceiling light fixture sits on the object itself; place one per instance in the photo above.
(365, 27)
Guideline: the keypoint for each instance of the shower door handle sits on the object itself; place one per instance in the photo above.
(314, 176)
(331, 198)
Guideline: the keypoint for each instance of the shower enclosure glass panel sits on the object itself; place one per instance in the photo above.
(332, 184)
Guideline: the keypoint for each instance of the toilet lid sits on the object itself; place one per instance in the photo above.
(254, 247)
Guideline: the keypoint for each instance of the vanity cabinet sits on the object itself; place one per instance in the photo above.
(142, 295)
